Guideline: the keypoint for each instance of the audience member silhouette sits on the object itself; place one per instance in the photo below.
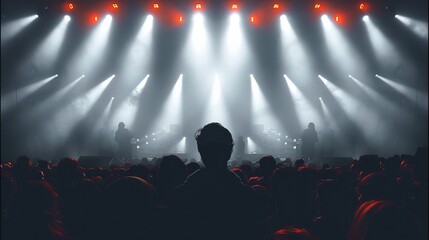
(213, 200)
(172, 173)
(34, 214)
(291, 233)
(380, 219)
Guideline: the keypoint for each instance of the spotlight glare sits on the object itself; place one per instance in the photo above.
(235, 18)
(113, 98)
(155, 5)
(317, 6)
(276, 6)
(67, 18)
(324, 17)
(109, 17)
(320, 98)
(115, 5)
(396, 15)
(234, 6)
(365, 18)
(36, 16)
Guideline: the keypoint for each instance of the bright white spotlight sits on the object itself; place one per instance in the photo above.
(235, 18)
(261, 112)
(306, 111)
(324, 17)
(11, 29)
(67, 18)
(420, 28)
(283, 18)
(365, 18)
(320, 98)
(47, 52)
(149, 17)
(113, 98)
(83, 76)
(198, 17)
(109, 17)
(36, 16)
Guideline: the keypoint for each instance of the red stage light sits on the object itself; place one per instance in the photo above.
(198, 6)
(156, 5)
(276, 6)
(95, 19)
(180, 19)
(115, 5)
(70, 6)
(317, 6)
(363, 6)
(234, 6)
(252, 19)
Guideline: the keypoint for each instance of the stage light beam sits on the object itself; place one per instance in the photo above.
(11, 29)
(420, 28)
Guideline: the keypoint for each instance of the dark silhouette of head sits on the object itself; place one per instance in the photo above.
(121, 125)
(291, 233)
(172, 171)
(192, 167)
(311, 126)
(267, 165)
(215, 146)
(299, 163)
(381, 219)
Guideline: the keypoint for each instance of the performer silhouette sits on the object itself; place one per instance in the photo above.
(309, 139)
(123, 139)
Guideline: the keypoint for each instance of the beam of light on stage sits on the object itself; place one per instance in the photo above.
(78, 109)
(261, 112)
(137, 57)
(51, 101)
(235, 51)
(409, 93)
(172, 109)
(382, 47)
(346, 101)
(91, 53)
(420, 28)
(23, 93)
(342, 53)
(295, 56)
(364, 116)
(46, 54)
(251, 146)
(375, 97)
(216, 109)
(199, 36)
(127, 110)
(305, 112)
(11, 29)
(327, 115)
(104, 119)
(180, 147)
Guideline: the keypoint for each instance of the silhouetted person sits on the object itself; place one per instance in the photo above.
(327, 142)
(291, 233)
(123, 139)
(213, 203)
(34, 214)
(309, 139)
(383, 220)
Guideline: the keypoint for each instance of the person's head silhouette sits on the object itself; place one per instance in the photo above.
(121, 125)
(215, 146)
(311, 126)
